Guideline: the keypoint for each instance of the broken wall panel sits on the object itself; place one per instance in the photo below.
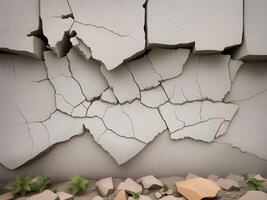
(254, 45)
(202, 23)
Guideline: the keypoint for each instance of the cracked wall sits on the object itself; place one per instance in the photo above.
(111, 76)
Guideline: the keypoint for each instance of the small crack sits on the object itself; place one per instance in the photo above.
(129, 120)
(197, 77)
(251, 97)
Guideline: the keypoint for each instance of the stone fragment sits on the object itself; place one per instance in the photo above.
(254, 46)
(108, 96)
(255, 195)
(170, 181)
(18, 29)
(158, 195)
(142, 197)
(213, 177)
(235, 177)
(150, 182)
(185, 22)
(227, 184)
(129, 185)
(56, 24)
(190, 176)
(7, 196)
(122, 83)
(171, 197)
(154, 97)
(64, 196)
(121, 195)
(259, 177)
(105, 186)
(197, 188)
(97, 198)
(45, 195)
(110, 39)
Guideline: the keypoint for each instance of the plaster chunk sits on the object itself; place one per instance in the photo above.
(110, 39)
(129, 185)
(169, 115)
(227, 184)
(154, 97)
(86, 73)
(251, 116)
(254, 45)
(55, 25)
(168, 63)
(79, 46)
(120, 122)
(204, 131)
(108, 96)
(126, 148)
(235, 177)
(122, 83)
(104, 186)
(147, 123)
(218, 110)
(150, 182)
(17, 32)
(223, 129)
(185, 22)
(45, 195)
(255, 195)
(143, 73)
(98, 108)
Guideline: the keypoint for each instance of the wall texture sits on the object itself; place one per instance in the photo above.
(133, 87)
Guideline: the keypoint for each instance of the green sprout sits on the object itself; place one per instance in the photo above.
(253, 183)
(135, 195)
(21, 185)
(165, 187)
(41, 183)
(78, 184)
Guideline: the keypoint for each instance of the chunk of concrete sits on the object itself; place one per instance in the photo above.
(213, 177)
(7, 196)
(235, 177)
(45, 195)
(184, 22)
(110, 39)
(121, 195)
(255, 195)
(197, 188)
(228, 184)
(64, 196)
(97, 198)
(191, 175)
(150, 182)
(105, 186)
(142, 197)
(171, 197)
(129, 185)
(254, 45)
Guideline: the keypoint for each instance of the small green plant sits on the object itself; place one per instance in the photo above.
(21, 185)
(165, 187)
(253, 183)
(78, 184)
(135, 195)
(54, 190)
(41, 183)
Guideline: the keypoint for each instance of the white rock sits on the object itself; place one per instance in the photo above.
(88, 74)
(105, 186)
(154, 97)
(184, 22)
(213, 177)
(168, 63)
(158, 195)
(150, 182)
(120, 148)
(255, 195)
(190, 176)
(144, 73)
(129, 185)
(108, 96)
(122, 83)
(110, 39)
(259, 177)
(227, 184)
(16, 25)
(64, 196)
(171, 197)
(97, 198)
(254, 46)
(204, 131)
